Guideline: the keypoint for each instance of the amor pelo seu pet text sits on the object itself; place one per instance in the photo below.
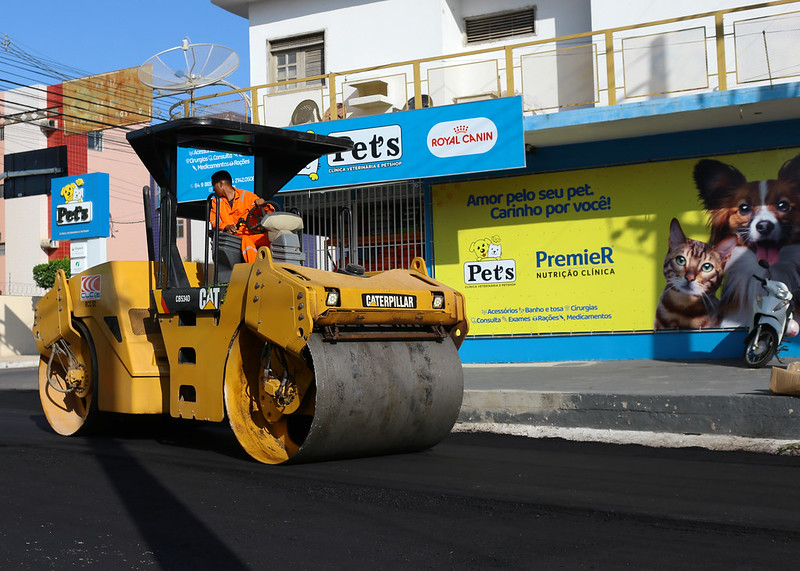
(515, 204)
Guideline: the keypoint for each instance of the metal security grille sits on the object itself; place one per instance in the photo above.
(380, 227)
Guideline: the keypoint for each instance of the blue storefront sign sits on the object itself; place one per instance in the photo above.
(438, 141)
(195, 167)
(79, 206)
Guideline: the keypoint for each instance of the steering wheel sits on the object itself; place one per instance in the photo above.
(253, 217)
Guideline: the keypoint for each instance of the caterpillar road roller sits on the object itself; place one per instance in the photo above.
(305, 364)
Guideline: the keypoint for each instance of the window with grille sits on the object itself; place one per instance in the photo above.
(296, 58)
(379, 227)
(500, 25)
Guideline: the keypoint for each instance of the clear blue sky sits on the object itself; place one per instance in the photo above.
(96, 36)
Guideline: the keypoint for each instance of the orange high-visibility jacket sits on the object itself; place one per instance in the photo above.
(231, 211)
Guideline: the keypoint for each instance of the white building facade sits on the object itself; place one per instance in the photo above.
(620, 103)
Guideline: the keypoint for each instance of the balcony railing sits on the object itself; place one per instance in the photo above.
(714, 51)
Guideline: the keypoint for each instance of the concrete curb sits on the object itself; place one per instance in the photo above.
(19, 362)
(652, 439)
(750, 416)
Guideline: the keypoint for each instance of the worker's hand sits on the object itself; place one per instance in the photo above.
(259, 202)
(230, 229)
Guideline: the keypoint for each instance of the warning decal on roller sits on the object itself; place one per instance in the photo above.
(90, 287)
(389, 300)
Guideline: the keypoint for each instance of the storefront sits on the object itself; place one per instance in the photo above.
(566, 257)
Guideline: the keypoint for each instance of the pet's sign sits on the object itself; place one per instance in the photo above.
(80, 206)
(78, 213)
(369, 146)
(500, 271)
(437, 141)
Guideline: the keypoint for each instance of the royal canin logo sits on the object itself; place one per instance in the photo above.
(463, 137)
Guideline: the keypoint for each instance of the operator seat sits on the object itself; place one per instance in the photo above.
(230, 253)
(283, 229)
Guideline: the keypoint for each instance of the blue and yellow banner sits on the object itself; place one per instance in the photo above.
(585, 251)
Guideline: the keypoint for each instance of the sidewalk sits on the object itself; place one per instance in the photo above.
(722, 398)
(684, 398)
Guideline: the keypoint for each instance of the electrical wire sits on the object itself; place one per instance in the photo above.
(14, 59)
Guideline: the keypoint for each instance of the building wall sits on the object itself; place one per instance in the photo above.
(27, 219)
(21, 137)
(607, 13)
(127, 240)
(2, 203)
(420, 28)
(351, 37)
(425, 29)
(16, 322)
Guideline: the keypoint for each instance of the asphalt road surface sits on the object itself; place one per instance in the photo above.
(159, 493)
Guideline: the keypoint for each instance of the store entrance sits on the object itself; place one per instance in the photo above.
(379, 227)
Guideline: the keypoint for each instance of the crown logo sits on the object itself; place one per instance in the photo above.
(459, 129)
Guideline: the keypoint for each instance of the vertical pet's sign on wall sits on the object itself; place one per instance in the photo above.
(79, 206)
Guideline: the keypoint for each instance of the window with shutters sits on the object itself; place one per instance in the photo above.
(500, 25)
(295, 58)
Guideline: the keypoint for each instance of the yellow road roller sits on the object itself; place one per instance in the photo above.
(305, 364)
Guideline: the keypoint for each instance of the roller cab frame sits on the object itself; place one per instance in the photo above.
(305, 364)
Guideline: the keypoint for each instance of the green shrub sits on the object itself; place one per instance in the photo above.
(45, 274)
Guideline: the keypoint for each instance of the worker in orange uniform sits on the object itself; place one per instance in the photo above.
(234, 204)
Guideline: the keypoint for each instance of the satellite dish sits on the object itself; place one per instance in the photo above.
(189, 66)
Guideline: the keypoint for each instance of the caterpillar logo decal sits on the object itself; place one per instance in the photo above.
(192, 299)
(389, 300)
(209, 298)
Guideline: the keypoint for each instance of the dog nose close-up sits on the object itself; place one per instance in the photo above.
(765, 226)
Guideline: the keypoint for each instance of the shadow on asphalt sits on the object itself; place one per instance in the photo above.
(175, 537)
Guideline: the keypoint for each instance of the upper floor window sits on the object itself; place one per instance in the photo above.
(500, 25)
(94, 140)
(296, 58)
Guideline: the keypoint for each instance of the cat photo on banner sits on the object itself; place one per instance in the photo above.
(693, 271)
(750, 221)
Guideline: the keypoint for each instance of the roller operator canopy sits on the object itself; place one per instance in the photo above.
(279, 154)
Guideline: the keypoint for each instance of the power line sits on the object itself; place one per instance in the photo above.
(51, 70)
